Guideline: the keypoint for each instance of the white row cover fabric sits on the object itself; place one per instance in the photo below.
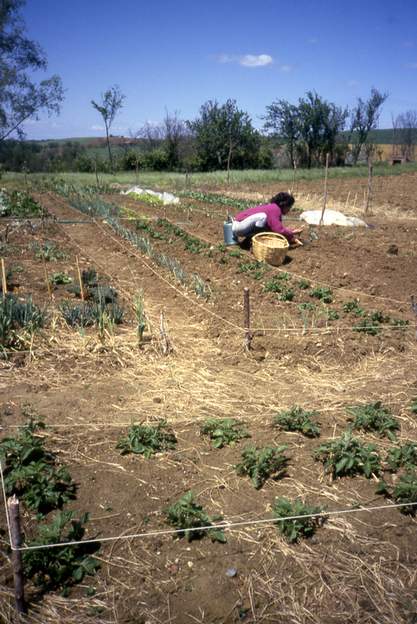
(166, 198)
(331, 217)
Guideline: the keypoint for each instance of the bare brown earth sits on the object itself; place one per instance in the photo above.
(358, 567)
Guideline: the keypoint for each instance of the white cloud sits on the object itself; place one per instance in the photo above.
(411, 65)
(256, 60)
(246, 60)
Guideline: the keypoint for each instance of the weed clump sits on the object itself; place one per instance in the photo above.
(147, 440)
(188, 516)
(223, 431)
(298, 528)
(298, 419)
(261, 464)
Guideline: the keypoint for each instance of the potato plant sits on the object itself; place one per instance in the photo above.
(298, 419)
(404, 492)
(347, 456)
(403, 456)
(223, 431)
(147, 440)
(188, 516)
(261, 464)
(298, 528)
(374, 417)
(323, 293)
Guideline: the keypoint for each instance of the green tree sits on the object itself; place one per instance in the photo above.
(320, 122)
(224, 137)
(111, 103)
(364, 118)
(282, 119)
(20, 97)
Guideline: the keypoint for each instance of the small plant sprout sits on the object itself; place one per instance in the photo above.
(374, 417)
(294, 530)
(261, 464)
(186, 514)
(298, 419)
(60, 278)
(147, 440)
(353, 307)
(347, 456)
(403, 456)
(404, 492)
(49, 252)
(223, 431)
(140, 315)
(303, 284)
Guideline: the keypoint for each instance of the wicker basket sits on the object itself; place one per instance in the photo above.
(270, 247)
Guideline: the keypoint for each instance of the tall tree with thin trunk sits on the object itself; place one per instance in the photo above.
(111, 103)
(364, 118)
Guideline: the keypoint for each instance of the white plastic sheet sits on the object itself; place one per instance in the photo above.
(331, 217)
(166, 198)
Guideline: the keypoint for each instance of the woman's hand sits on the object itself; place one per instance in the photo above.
(298, 230)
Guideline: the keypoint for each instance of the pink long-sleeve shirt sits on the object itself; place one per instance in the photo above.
(273, 218)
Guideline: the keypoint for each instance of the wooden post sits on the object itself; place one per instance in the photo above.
(326, 173)
(246, 318)
(3, 277)
(166, 344)
(16, 537)
(293, 176)
(80, 279)
(369, 192)
(48, 285)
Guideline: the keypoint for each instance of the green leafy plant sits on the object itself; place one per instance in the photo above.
(298, 419)
(223, 431)
(303, 284)
(256, 269)
(277, 283)
(403, 456)
(353, 307)
(18, 204)
(60, 567)
(18, 315)
(60, 278)
(332, 315)
(347, 456)
(298, 528)
(48, 251)
(186, 514)
(147, 440)
(367, 326)
(307, 306)
(413, 406)
(140, 315)
(261, 464)
(374, 417)
(324, 294)
(404, 492)
(87, 314)
(32, 473)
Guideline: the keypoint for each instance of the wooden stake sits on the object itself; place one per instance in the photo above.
(326, 173)
(246, 318)
(369, 191)
(48, 285)
(80, 279)
(166, 344)
(19, 585)
(3, 277)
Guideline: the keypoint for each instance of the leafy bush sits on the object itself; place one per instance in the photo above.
(298, 419)
(324, 294)
(18, 204)
(60, 567)
(31, 472)
(403, 492)
(147, 440)
(186, 514)
(261, 464)
(347, 456)
(374, 417)
(403, 456)
(293, 530)
(223, 431)
(367, 326)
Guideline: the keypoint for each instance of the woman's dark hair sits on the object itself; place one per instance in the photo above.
(283, 200)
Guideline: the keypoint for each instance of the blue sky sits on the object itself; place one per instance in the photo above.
(176, 55)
